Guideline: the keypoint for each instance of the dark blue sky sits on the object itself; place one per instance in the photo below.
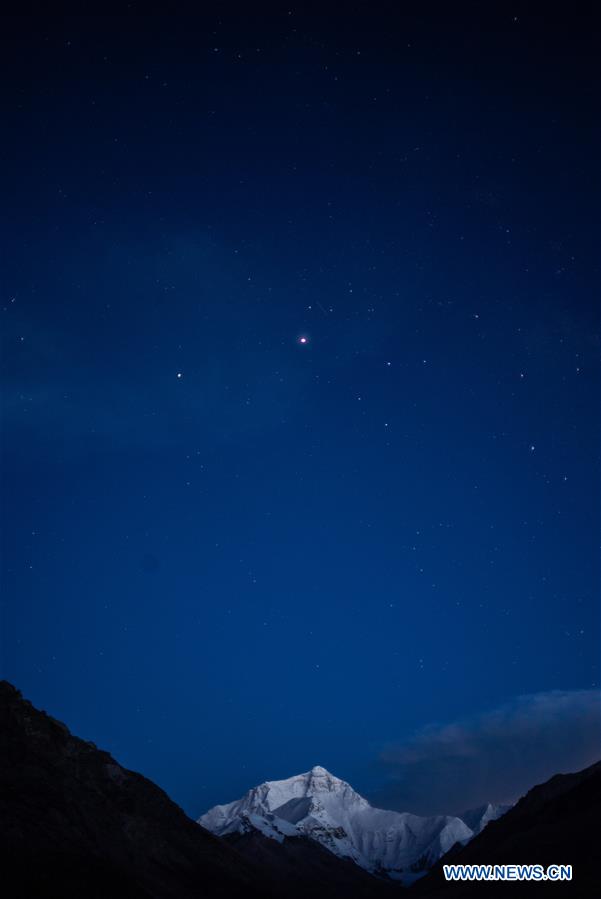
(229, 556)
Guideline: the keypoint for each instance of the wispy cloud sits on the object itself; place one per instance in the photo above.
(496, 756)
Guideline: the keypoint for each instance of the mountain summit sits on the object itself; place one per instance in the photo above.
(477, 818)
(326, 809)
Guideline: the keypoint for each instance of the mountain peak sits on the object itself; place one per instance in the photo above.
(477, 818)
(318, 773)
(319, 806)
(317, 780)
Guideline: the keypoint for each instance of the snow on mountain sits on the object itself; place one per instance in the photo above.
(477, 818)
(328, 810)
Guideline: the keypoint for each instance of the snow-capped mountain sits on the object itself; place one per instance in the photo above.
(326, 809)
(477, 818)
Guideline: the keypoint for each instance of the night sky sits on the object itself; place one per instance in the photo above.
(300, 442)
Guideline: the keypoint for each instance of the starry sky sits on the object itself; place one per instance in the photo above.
(300, 441)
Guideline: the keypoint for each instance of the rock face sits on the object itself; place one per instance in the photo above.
(328, 811)
(304, 868)
(554, 823)
(74, 823)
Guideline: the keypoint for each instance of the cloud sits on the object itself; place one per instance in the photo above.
(496, 756)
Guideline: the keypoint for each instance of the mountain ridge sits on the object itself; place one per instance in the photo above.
(321, 806)
(74, 822)
(556, 822)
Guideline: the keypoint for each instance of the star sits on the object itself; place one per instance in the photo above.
(303, 339)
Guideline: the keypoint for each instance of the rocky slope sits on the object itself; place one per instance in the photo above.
(303, 867)
(74, 823)
(554, 823)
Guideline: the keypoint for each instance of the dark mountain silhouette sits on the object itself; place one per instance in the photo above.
(308, 868)
(554, 823)
(74, 823)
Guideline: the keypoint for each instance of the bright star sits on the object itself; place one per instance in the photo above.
(303, 339)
